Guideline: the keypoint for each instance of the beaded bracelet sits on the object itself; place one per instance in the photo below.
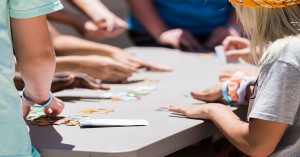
(24, 97)
(226, 97)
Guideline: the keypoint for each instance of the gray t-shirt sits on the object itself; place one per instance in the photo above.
(276, 97)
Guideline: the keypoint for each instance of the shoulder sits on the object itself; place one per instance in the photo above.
(291, 54)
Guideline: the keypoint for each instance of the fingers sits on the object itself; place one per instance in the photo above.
(91, 83)
(178, 109)
(25, 108)
(54, 108)
(104, 87)
(130, 61)
(228, 42)
(123, 68)
(120, 75)
(236, 42)
(199, 95)
(154, 67)
(61, 82)
(115, 76)
(226, 75)
(212, 94)
(235, 54)
(189, 42)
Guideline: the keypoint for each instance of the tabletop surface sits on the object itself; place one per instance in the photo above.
(166, 133)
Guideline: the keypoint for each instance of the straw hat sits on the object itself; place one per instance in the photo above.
(266, 3)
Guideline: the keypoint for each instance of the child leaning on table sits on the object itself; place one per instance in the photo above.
(23, 32)
(273, 120)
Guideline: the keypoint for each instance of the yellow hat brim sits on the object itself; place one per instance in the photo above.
(266, 3)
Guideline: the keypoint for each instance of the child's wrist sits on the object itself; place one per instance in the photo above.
(213, 108)
(36, 98)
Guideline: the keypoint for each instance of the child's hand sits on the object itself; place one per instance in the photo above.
(194, 111)
(241, 48)
(25, 108)
(180, 39)
(70, 80)
(212, 94)
(130, 60)
(54, 108)
(218, 35)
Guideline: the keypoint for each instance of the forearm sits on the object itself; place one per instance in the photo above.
(35, 55)
(234, 129)
(93, 8)
(68, 63)
(38, 72)
(69, 18)
(146, 12)
(68, 45)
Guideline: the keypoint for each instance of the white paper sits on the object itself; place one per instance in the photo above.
(113, 122)
(221, 54)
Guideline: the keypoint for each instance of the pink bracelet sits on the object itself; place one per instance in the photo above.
(237, 86)
(234, 84)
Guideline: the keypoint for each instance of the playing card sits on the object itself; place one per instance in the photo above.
(221, 54)
(112, 122)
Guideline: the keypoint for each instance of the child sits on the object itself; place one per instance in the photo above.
(273, 121)
(36, 61)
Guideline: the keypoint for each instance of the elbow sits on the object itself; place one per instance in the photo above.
(259, 151)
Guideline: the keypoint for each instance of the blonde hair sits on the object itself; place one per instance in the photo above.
(269, 30)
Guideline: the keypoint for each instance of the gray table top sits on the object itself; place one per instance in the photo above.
(166, 133)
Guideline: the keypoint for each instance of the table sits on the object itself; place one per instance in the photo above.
(166, 133)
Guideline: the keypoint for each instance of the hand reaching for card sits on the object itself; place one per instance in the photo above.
(52, 110)
(212, 94)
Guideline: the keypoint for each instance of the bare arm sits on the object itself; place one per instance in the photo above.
(35, 55)
(69, 45)
(93, 8)
(102, 16)
(64, 16)
(145, 11)
(256, 138)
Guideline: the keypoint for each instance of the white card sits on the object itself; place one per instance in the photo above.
(221, 54)
(112, 122)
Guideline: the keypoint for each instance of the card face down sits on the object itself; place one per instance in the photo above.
(113, 122)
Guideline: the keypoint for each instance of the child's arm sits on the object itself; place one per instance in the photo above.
(34, 54)
(66, 45)
(257, 138)
(36, 60)
(98, 12)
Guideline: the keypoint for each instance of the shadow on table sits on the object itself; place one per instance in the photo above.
(46, 138)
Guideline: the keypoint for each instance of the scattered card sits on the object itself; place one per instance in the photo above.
(187, 95)
(90, 111)
(113, 122)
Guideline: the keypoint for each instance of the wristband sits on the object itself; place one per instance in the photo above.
(225, 94)
(36, 105)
